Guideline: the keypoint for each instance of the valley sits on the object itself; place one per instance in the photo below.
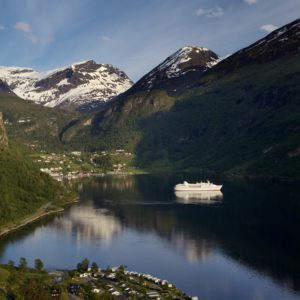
(87, 133)
(236, 116)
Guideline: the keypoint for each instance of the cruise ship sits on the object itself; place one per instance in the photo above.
(198, 186)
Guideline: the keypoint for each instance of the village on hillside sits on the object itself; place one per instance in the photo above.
(85, 282)
(77, 164)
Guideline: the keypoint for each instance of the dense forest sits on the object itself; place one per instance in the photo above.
(24, 189)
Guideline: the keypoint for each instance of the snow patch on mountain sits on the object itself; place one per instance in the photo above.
(77, 84)
(172, 66)
(185, 60)
(282, 35)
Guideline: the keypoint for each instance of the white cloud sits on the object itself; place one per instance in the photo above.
(268, 27)
(213, 12)
(105, 38)
(26, 28)
(251, 2)
(2, 28)
(33, 38)
(23, 26)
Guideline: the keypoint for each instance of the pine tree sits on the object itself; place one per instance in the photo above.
(38, 265)
(94, 267)
(23, 264)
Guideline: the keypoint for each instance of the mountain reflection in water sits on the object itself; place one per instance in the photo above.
(87, 223)
(254, 223)
(245, 245)
(196, 197)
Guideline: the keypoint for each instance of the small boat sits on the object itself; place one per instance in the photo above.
(198, 186)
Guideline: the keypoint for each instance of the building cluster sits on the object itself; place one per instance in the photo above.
(118, 167)
(75, 164)
(25, 120)
(122, 284)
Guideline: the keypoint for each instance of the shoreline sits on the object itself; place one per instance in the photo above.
(225, 174)
(40, 213)
(276, 178)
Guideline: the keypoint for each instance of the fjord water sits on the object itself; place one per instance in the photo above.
(244, 244)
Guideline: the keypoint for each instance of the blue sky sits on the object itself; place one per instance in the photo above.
(134, 35)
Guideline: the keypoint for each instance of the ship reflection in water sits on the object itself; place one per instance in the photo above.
(197, 197)
(243, 245)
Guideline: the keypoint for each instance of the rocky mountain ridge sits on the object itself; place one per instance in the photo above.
(83, 83)
(179, 71)
(280, 42)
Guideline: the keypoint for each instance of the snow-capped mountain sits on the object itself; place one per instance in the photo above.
(83, 83)
(186, 62)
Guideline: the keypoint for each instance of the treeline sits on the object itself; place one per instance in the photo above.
(19, 281)
(22, 282)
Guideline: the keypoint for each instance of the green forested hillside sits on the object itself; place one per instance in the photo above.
(24, 189)
(243, 118)
(34, 125)
(247, 122)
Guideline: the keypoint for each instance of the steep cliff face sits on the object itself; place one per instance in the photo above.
(3, 136)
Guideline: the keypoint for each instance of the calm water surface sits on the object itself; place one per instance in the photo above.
(244, 244)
